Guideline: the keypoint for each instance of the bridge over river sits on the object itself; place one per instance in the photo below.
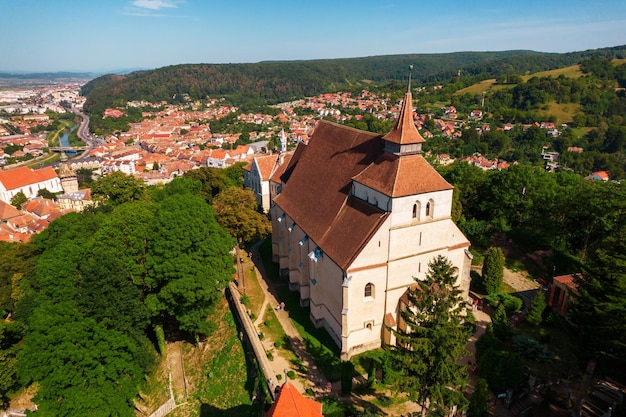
(67, 149)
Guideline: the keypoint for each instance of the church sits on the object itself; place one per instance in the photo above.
(359, 217)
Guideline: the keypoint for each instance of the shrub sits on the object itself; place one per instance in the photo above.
(531, 349)
(291, 374)
(278, 344)
(510, 302)
(245, 299)
(347, 371)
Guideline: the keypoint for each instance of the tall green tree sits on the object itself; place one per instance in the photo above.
(188, 262)
(118, 188)
(431, 343)
(237, 210)
(535, 312)
(493, 270)
(598, 306)
(479, 401)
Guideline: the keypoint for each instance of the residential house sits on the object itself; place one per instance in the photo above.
(476, 114)
(599, 176)
(358, 220)
(76, 200)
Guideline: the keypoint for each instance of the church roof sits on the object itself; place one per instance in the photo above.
(318, 187)
(405, 132)
(290, 403)
(20, 177)
(400, 176)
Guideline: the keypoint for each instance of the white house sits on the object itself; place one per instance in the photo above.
(358, 219)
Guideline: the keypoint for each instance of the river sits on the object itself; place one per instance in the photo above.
(65, 139)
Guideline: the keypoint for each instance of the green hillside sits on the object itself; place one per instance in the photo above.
(276, 81)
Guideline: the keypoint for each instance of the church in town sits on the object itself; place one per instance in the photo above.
(358, 218)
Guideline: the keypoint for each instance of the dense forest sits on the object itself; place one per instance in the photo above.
(263, 82)
(90, 299)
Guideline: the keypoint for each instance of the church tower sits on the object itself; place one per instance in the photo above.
(69, 180)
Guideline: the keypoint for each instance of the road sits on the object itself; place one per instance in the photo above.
(83, 133)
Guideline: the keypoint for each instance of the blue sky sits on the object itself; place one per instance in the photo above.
(99, 36)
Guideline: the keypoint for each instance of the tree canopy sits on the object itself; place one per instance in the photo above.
(95, 283)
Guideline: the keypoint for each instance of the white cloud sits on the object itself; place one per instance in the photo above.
(154, 4)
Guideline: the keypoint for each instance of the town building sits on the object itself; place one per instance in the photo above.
(28, 181)
(358, 220)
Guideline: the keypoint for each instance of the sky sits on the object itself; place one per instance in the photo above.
(112, 35)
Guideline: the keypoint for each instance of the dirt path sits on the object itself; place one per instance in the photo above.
(314, 379)
(175, 367)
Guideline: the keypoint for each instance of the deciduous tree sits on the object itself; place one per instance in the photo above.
(236, 210)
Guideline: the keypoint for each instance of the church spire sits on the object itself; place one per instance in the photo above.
(404, 132)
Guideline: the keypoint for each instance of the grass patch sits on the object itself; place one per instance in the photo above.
(564, 113)
(219, 373)
(572, 71)
(253, 290)
(477, 88)
(155, 390)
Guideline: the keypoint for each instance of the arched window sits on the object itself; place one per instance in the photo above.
(430, 207)
(416, 210)
(369, 290)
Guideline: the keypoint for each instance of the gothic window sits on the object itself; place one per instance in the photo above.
(416, 210)
(430, 207)
(369, 290)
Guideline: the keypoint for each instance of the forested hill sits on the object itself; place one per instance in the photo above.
(277, 81)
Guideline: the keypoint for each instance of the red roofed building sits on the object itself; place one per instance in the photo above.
(358, 219)
(257, 175)
(560, 291)
(290, 403)
(28, 181)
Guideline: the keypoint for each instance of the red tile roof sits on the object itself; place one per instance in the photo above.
(405, 132)
(397, 176)
(290, 403)
(318, 183)
(7, 211)
(20, 177)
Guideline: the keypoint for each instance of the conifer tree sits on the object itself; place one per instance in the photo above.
(535, 312)
(429, 347)
(493, 270)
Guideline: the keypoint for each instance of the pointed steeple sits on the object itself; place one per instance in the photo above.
(404, 132)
